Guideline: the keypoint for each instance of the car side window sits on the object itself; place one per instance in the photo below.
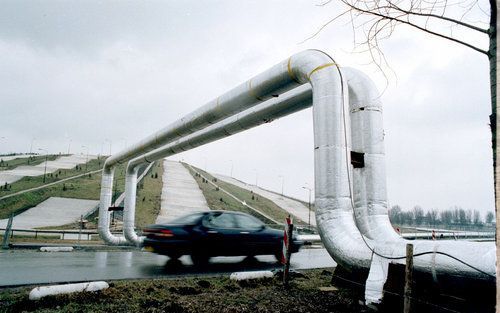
(220, 221)
(244, 221)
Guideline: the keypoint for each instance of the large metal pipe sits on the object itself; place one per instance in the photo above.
(129, 205)
(367, 136)
(333, 176)
(278, 79)
(272, 82)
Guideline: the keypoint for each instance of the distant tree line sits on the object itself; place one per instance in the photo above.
(455, 216)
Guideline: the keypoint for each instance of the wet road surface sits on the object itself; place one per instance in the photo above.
(22, 267)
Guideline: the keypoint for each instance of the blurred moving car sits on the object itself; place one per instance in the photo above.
(215, 233)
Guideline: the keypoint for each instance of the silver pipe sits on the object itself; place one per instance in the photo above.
(333, 175)
(367, 135)
(129, 206)
(272, 82)
(104, 214)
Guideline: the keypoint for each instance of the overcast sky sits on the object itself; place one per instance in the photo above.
(86, 73)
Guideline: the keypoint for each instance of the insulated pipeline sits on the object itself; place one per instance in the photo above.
(351, 203)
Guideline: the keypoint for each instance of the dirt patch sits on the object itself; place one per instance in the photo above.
(217, 294)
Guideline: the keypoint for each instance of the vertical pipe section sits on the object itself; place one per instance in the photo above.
(334, 214)
(105, 203)
(129, 205)
(367, 134)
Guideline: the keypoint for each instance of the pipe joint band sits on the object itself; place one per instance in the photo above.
(320, 68)
(252, 92)
(290, 71)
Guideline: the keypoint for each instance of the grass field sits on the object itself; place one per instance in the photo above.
(217, 200)
(35, 160)
(149, 196)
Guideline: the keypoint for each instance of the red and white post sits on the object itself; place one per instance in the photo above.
(286, 253)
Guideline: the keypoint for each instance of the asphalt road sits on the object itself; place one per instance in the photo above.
(27, 267)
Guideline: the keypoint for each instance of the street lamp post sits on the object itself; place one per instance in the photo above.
(86, 158)
(3, 138)
(256, 178)
(31, 145)
(69, 145)
(309, 204)
(282, 183)
(45, 168)
(232, 164)
(109, 145)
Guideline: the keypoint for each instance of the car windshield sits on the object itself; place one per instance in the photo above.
(190, 219)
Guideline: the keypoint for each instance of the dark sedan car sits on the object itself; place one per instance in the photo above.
(215, 233)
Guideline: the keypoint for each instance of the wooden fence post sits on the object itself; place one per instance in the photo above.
(408, 278)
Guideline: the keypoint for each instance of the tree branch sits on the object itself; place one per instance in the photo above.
(441, 17)
(369, 12)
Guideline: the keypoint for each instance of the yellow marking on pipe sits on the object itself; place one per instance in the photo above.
(252, 92)
(290, 71)
(320, 68)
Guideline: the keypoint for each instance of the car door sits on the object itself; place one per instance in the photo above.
(221, 234)
(252, 236)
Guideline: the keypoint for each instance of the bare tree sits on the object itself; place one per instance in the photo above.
(433, 217)
(395, 215)
(418, 214)
(477, 218)
(490, 217)
(446, 217)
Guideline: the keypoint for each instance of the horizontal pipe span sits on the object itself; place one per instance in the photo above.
(272, 82)
(282, 77)
(288, 103)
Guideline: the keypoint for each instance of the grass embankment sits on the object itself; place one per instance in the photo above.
(85, 187)
(147, 207)
(210, 294)
(36, 181)
(218, 200)
(148, 199)
(31, 161)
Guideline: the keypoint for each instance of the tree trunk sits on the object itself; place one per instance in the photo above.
(492, 54)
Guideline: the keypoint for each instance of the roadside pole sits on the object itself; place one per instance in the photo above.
(80, 232)
(6, 236)
(286, 249)
(408, 278)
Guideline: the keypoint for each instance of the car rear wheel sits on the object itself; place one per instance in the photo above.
(173, 256)
(200, 259)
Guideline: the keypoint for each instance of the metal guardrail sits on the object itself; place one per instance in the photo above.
(61, 233)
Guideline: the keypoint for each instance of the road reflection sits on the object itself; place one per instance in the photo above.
(184, 266)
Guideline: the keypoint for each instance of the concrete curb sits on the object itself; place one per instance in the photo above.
(40, 292)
